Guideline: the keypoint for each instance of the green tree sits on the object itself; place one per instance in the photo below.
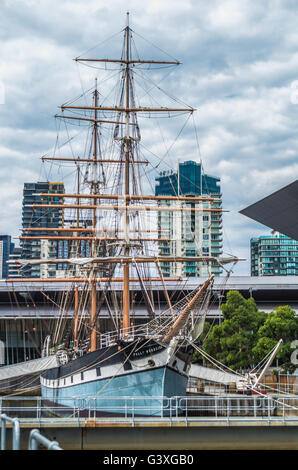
(279, 324)
(233, 341)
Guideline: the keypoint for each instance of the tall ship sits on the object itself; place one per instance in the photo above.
(114, 237)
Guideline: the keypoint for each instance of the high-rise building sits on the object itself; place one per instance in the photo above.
(274, 255)
(14, 270)
(190, 233)
(192, 181)
(40, 217)
(6, 248)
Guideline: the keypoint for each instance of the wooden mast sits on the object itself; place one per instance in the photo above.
(127, 141)
(93, 317)
(76, 317)
(78, 196)
(76, 293)
(94, 190)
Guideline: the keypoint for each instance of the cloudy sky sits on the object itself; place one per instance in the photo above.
(240, 71)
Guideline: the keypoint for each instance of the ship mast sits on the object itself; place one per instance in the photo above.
(124, 252)
(76, 289)
(127, 145)
(94, 190)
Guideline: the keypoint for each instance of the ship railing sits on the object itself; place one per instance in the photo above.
(39, 409)
(128, 334)
(156, 328)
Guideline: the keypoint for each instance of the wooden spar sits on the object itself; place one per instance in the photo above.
(131, 61)
(130, 110)
(181, 320)
(132, 197)
(87, 230)
(89, 119)
(130, 207)
(128, 259)
(90, 239)
(60, 229)
(76, 316)
(87, 279)
(91, 160)
(93, 318)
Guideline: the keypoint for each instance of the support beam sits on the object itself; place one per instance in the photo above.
(91, 160)
(86, 279)
(132, 208)
(121, 109)
(132, 197)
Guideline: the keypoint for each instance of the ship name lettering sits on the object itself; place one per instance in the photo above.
(149, 350)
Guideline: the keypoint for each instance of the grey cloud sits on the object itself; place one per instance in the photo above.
(239, 60)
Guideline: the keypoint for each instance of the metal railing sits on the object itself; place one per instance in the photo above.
(15, 431)
(133, 332)
(38, 410)
(35, 437)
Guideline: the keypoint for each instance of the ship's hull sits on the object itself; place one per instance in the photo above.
(130, 381)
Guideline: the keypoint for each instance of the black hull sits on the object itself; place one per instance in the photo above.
(108, 356)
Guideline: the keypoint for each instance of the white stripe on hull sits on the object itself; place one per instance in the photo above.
(157, 360)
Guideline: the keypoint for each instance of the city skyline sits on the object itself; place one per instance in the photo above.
(239, 76)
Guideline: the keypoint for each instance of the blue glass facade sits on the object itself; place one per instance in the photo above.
(274, 255)
(6, 248)
(192, 181)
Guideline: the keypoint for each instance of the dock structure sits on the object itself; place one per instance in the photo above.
(192, 434)
(37, 304)
(190, 423)
(24, 299)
